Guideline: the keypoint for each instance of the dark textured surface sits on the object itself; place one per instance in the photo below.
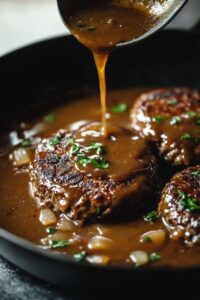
(18, 285)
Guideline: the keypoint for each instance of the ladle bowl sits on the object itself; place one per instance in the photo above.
(165, 10)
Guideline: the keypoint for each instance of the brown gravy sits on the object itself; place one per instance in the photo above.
(101, 25)
(19, 213)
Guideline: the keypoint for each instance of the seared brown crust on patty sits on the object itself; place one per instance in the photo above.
(164, 116)
(59, 184)
(180, 205)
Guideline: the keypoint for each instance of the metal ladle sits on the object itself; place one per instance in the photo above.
(66, 7)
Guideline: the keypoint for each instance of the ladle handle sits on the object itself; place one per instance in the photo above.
(188, 18)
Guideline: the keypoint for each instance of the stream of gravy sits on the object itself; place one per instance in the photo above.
(101, 61)
(101, 25)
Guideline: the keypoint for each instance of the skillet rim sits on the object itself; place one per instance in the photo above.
(31, 247)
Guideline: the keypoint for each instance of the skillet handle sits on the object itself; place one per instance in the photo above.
(188, 18)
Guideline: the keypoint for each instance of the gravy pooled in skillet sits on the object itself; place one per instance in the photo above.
(115, 241)
(87, 171)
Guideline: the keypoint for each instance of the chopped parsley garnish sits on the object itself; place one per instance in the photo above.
(74, 149)
(181, 194)
(84, 26)
(90, 28)
(98, 162)
(84, 160)
(80, 256)
(151, 216)
(55, 140)
(172, 101)
(147, 239)
(175, 120)
(195, 173)
(51, 230)
(158, 118)
(97, 147)
(49, 118)
(187, 136)
(197, 121)
(154, 257)
(119, 108)
(189, 203)
(191, 114)
(59, 244)
(98, 211)
(26, 143)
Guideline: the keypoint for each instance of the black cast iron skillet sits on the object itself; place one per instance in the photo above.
(47, 69)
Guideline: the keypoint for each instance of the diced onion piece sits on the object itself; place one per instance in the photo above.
(47, 217)
(20, 157)
(177, 233)
(59, 236)
(99, 243)
(98, 259)
(66, 225)
(156, 237)
(102, 230)
(139, 258)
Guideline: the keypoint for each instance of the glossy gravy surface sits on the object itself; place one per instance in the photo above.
(101, 25)
(19, 212)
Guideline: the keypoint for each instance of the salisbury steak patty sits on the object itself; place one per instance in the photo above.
(87, 177)
(180, 205)
(171, 118)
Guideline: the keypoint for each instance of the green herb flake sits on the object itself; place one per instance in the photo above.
(175, 120)
(154, 257)
(55, 140)
(74, 149)
(90, 28)
(80, 256)
(195, 173)
(197, 121)
(98, 211)
(59, 244)
(158, 118)
(187, 136)
(147, 239)
(98, 163)
(151, 216)
(191, 114)
(83, 160)
(50, 118)
(97, 147)
(84, 26)
(51, 230)
(189, 203)
(26, 143)
(181, 194)
(172, 101)
(119, 108)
